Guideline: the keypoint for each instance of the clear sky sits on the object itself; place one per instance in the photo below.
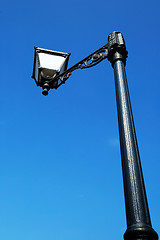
(60, 169)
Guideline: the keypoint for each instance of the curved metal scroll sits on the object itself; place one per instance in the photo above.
(94, 59)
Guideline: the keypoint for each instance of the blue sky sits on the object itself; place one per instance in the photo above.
(60, 170)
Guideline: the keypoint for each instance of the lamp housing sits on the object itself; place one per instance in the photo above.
(47, 65)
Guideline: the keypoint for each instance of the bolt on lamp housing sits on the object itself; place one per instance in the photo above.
(47, 65)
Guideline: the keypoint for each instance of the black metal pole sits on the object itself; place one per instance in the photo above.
(137, 213)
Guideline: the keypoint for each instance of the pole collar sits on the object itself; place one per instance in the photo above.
(141, 232)
(116, 47)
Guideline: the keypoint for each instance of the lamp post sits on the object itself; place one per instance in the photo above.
(137, 212)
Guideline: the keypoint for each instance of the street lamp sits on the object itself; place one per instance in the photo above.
(139, 225)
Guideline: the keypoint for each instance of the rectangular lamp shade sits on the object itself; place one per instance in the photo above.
(48, 64)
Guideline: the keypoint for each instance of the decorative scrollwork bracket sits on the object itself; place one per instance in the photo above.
(90, 61)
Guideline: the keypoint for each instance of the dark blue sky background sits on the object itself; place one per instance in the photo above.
(60, 171)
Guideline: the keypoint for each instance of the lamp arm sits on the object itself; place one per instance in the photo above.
(89, 61)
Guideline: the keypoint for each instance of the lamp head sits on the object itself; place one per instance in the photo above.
(47, 65)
